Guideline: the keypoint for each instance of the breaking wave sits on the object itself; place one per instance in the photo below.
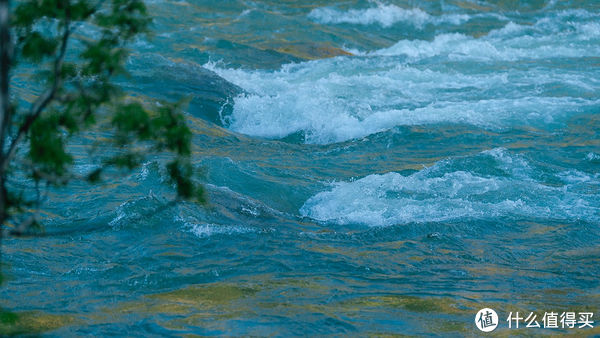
(510, 189)
(384, 15)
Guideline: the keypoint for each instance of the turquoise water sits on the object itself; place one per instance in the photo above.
(373, 167)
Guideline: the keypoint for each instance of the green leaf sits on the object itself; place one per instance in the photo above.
(36, 47)
(26, 14)
(69, 70)
(176, 136)
(8, 318)
(181, 171)
(88, 94)
(132, 118)
(81, 10)
(104, 57)
(47, 145)
(128, 160)
(128, 17)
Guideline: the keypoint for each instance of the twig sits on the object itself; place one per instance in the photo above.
(43, 100)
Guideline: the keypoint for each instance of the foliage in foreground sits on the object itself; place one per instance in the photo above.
(70, 52)
(73, 50)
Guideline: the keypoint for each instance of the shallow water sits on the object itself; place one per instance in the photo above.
(372, 167)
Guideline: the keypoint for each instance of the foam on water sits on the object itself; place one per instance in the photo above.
(384, 15)
(592, 157)
(321, 100)
(130, 213)
(547, 38)
(204, 230)
(448, 191)
(343, 98)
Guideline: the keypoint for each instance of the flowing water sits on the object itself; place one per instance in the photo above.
(373, 167)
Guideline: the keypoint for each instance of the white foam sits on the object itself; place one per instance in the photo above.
(588, 30)
(130, 212)
(440, 194)
(560, 35)
(575, 176)
(345, 98)
(495, 47)
(592, 156)
(204, 230)
(384, 15)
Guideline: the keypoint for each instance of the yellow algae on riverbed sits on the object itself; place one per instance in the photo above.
(213, 294)
(209, 298)
(310, 51)
(31, 323)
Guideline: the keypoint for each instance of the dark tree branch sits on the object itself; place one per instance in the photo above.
(86, 92)
(24, 226)
(45, 99)
(5, 60)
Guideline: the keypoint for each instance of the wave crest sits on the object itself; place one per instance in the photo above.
(384, 15)
(449, 191)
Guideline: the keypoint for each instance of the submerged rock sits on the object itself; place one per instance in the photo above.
(211, 95)
(248, 56)
(312, 51)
